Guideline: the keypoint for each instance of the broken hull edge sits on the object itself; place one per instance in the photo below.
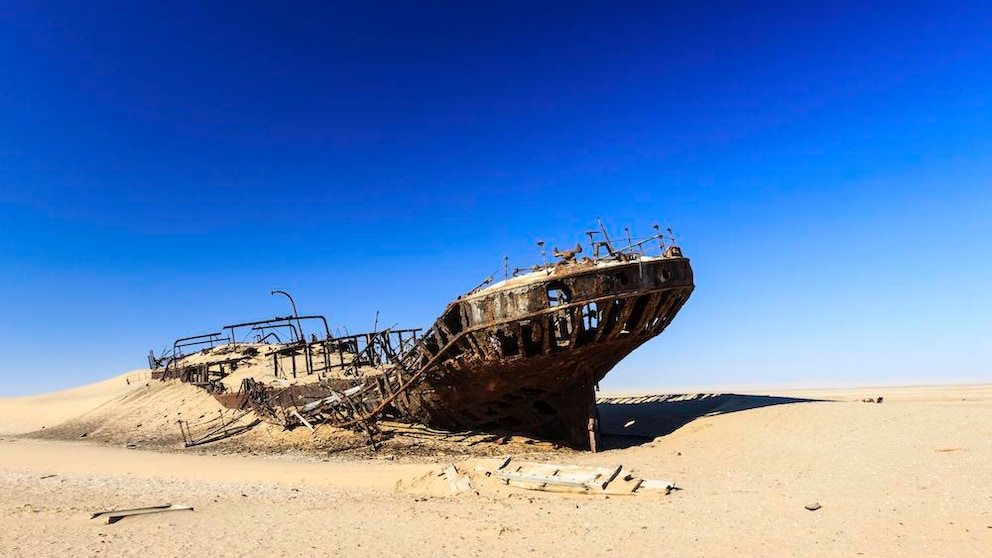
(535, 371)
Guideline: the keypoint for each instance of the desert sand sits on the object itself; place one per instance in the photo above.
(911, 476)
(33, 412)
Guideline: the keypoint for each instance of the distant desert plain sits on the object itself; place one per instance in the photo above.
(829, 472)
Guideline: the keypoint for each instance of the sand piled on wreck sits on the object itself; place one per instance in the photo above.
(147, 415)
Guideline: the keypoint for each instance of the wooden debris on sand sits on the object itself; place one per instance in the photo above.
(571, 478)
(113, 516)
(459, 482)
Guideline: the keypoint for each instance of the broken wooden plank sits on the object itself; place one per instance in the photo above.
(611, 476)
(297, 414)
(540, 479)
(545, 476)
(624, 484)
(113, 516)
(98, 514)
(458, 482)
(653, 485)
(491, 466)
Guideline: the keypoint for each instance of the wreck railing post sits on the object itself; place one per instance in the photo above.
(293, 304)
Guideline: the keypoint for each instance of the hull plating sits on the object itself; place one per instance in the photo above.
(526, 355)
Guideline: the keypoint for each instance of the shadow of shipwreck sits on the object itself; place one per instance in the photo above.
(632, 421)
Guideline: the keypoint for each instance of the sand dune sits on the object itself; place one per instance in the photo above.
(33, 412)
(906, 477)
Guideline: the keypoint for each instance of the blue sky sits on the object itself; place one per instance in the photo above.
(826, 168)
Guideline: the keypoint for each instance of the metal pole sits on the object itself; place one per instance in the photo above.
(295, 313)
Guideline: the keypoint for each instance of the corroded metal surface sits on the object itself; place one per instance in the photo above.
(526, 357)
(523, 355)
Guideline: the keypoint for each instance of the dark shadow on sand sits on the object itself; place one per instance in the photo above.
(659, 415)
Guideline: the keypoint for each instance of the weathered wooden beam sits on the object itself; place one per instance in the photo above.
(306, 423)
(458, 482)
(540, 479)
(113, 516)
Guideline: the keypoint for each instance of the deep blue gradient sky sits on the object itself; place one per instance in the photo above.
(826, 168)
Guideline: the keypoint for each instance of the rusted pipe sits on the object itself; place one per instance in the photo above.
(293, 303)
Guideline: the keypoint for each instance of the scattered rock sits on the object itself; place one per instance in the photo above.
(813, 507)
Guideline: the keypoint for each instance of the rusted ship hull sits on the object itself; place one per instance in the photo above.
(527, 354)
(523, 355)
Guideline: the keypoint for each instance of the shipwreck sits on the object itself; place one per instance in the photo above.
(521, 355)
